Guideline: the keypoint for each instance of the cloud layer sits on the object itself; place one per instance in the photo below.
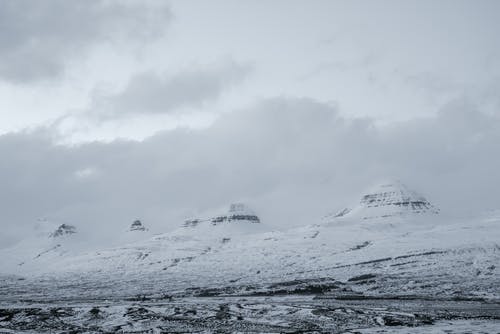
(292, 159)
(154, 93)
(222, 131)
(39, 39)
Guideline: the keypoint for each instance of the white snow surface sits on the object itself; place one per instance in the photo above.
(414, 246)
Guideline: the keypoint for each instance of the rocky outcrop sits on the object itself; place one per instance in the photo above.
(191, 222)
(137, 226)
(62, 230)
(238, 212)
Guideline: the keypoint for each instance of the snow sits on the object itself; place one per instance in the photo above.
(392, 199)
(378, 249)
(451, 327)
(285, 314)
(408, 252)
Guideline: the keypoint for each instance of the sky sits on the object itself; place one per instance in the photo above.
(112, 111)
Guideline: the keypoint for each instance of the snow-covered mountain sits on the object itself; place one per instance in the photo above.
(392, 241)
(387, 200)
(50, 243)
(137, 226)
(63, 230)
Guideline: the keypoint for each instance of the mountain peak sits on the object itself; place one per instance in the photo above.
(62, 230)
(137, 226)
(236, 212)
(390, 200)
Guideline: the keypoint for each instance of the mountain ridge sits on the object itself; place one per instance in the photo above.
(452, 256)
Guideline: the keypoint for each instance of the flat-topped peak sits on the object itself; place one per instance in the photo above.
(236, 212)
(395, 193)
(137, 226)
(389, 200)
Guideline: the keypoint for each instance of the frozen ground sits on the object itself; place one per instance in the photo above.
(277, 314)
(442, 327)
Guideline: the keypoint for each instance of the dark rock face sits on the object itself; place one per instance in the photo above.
(236, 212)
(392, 198)
(361, 277)
(137, 226)
(191, 222)
(342, 213)
(249, 218)
(63, 229)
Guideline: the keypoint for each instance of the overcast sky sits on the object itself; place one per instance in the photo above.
(117, 110)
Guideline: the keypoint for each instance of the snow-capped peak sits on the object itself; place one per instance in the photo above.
(237, 212)
(137, 226)
(390, 200)
(62, 230)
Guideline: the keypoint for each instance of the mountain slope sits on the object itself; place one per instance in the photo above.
(409, 249)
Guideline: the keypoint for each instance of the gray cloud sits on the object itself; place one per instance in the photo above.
(292, 159)
(38, 39)
(153, 93)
